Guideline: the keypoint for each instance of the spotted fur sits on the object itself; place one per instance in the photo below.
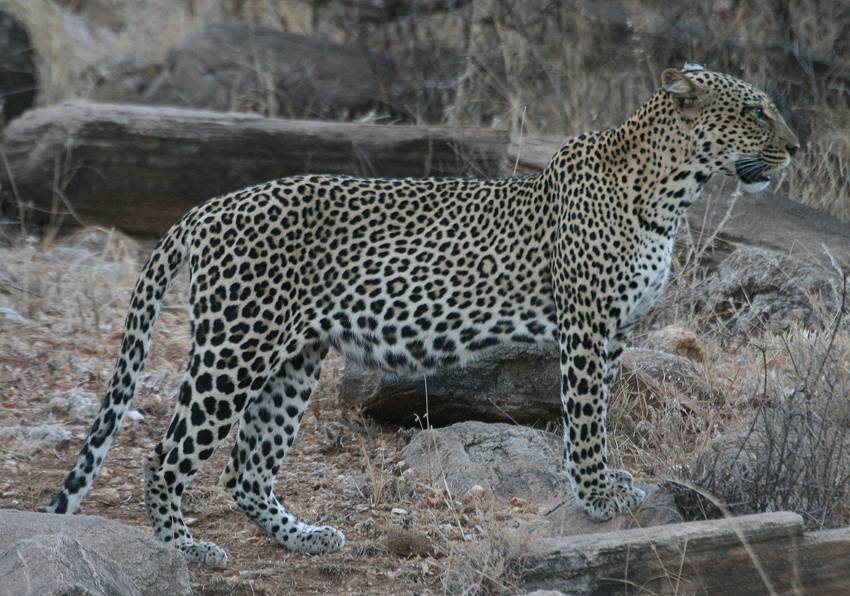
(418, 274)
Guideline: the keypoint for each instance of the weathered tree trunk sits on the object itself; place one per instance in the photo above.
(753, 554)
(140, 168)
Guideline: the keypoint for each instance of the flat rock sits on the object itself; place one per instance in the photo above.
(512, 383)
(40, 434)
(45, 555)
(507, 461)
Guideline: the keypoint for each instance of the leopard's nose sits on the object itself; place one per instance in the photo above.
(792, 149)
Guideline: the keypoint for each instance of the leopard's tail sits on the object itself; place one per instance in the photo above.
(145, 302)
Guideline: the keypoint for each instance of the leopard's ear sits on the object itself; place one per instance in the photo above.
(678, 84)
(688, 94)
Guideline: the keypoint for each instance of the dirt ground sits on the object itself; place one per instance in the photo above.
(72, 302)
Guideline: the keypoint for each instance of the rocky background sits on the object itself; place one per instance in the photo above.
(120, 115)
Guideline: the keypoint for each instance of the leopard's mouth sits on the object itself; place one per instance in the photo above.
(752, 170)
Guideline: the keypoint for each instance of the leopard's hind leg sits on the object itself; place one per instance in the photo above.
(267, 430)
(227, 369)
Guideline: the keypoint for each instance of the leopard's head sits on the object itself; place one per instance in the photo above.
(733, 127)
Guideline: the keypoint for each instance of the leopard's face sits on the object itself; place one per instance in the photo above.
(734, 124)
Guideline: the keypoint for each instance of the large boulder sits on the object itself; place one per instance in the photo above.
(51, 555)
(512, 383)
(246, 67)
(140, 168)
(755, 289)
(518, 464)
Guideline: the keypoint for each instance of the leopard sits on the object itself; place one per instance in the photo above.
(417, 274)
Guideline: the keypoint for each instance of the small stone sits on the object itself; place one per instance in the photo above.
(81, 404)
(476, 492)
(135, 415)
(47, 434)
(407, 543)
(675, 340)
(12, 315)
(398, 511)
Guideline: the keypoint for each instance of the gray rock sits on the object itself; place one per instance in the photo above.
(512, 383)
(512, 462)
(80, 403)
(508, 461)
(44, 554)
(662, 374)
(675, 340)
(10, 314)
(42, 434)
(757, 288)
(246, 67)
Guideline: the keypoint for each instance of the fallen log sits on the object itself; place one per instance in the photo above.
(140, 168)
(754, 554)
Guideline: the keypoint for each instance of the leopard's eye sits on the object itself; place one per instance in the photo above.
(757, 111)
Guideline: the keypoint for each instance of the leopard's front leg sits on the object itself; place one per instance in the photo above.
(588, 364)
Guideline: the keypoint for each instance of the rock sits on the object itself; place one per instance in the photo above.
(511, 383)
(756, 288)
(80, 403)
(675, 340)
(10, 314)
(663, 375)
(506, 461)
(145, 167)
(17, 68)
(46, 555)
(405, 542)
(517, 464)
(246, 67)
(768, 221)
(41, 435)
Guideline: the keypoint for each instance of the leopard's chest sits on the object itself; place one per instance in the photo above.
(647, 275)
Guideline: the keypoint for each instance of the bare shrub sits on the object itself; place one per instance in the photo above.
(793, 454)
